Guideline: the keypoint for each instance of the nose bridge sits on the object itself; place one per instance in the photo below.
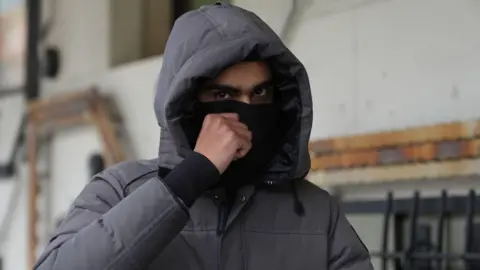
(245, 98)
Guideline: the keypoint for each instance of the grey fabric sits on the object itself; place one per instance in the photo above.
(126, 218)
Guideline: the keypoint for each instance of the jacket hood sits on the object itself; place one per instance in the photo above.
(204, 42)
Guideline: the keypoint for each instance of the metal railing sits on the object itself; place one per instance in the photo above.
(421, 252)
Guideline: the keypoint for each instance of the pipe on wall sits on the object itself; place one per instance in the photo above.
(289, 22)
(32, 83)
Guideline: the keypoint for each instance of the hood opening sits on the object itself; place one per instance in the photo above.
(287, 96)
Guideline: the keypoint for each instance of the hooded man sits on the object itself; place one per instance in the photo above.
(227, 190)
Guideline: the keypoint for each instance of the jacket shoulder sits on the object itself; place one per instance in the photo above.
(310, 191)
(317, 200)
(127, 173)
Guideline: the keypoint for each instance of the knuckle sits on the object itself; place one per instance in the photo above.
(208, 118)
(224, 127)
(230, 135)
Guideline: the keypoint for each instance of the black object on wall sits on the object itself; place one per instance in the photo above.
(8, 170)
(182, 6)
(422, 252)
(179, 8)
(51, 62)
(97, 164)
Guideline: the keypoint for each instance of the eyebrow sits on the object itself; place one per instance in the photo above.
(225, 87)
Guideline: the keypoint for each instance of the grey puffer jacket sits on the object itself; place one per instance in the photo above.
(127, 218)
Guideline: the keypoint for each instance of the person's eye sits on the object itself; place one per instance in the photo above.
(221, 94)
(262, 91)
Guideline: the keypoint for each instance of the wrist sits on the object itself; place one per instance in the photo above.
(192, 177)
(213, 161)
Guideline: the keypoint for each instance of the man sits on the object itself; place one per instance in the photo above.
(227, 190)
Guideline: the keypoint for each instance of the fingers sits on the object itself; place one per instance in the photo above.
(244, 146)
(238, 127)
(232, 116)
(242, 136)
(243, 133)
(237, 124)
(242, 152)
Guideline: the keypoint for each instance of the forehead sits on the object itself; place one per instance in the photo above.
(244, 75)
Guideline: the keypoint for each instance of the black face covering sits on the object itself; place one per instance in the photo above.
(262, 120)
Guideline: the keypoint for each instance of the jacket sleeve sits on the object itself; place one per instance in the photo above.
(104, 231)
(346, 249)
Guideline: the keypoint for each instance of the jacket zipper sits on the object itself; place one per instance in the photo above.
(223, 213)
(223, 210)
(222, 219)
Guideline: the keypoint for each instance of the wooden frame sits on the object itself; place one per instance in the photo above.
(442, 151)
(51, 115)
(409, 136)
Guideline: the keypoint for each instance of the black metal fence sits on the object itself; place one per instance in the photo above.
(424, 251)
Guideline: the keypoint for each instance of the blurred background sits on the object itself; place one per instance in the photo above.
(395, 86)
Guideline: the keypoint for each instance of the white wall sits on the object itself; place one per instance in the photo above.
(275, 12)
(391, 64)
(381, 65)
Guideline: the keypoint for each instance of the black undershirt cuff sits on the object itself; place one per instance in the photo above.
(192, 177)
